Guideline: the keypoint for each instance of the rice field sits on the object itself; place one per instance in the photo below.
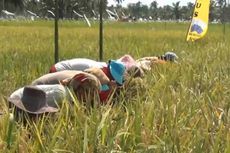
(181, 107)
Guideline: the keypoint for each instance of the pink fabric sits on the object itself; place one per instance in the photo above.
(128, 61)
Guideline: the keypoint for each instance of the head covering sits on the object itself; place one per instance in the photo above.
(33, 101)
(85, 79)
(135, 71)
(86, 87)
(170, 56)
(127, 60)
(117, 70)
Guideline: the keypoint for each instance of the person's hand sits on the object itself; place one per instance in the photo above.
(65, 82)
(113, 85)
(99, 74)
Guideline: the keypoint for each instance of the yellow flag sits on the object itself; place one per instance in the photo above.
(199, 23)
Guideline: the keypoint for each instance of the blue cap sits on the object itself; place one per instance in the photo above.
(117, 70)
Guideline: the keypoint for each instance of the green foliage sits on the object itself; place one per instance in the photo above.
(182, 107)
(70, 9)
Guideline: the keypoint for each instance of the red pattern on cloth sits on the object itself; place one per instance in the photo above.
(104, 95)
(80, 77)
(107, 73)
(53, 69)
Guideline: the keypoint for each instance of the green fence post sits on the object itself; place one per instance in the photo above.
(56, 32)
(101, 32)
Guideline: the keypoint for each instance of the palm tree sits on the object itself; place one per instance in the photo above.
(166, 12)
(2, 6)
(119, 1)
(154, 10)
(176, 10)
(222, 5)
(187, 11)
(13, 5)
(17, 3)
(213, 11)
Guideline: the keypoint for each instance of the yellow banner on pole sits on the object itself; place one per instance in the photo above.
(199, 24)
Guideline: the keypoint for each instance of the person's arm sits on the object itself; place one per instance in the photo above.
(148, 58)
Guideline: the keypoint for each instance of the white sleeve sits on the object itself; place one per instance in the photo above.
(55, 94)
(78, 64)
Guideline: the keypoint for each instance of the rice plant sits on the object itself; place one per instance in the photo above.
(182, 107)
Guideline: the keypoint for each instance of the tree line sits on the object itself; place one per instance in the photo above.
(69, 9)
(219, 11)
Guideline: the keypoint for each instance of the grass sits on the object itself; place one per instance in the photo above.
(180, 108)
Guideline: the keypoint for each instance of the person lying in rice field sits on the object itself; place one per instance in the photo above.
(47, 93)
(115, 71)
(36, 100)
(133, 67)
(147, 63)
(84, 63)
(85, 84)
(41, 98)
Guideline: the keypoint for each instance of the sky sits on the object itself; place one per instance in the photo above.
(160, 2)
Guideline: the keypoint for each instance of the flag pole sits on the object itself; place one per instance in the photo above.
(189, 27)
(56, 32)
(224, 11)
(3, 4)
(101, 32)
